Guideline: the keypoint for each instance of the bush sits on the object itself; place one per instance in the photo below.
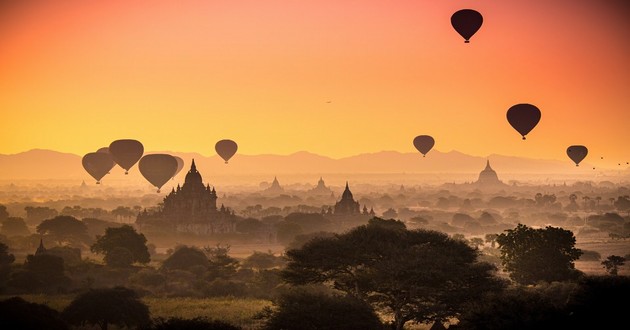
(300, 310)
(198, 323)
(16, 313)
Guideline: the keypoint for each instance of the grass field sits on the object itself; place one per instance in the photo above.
(236, 311)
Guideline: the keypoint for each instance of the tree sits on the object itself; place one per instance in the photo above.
(596, 303)
(197, 323)
(14, 226)
(184, 258)
(64, 229)
(102, 307)
(612, 264)
(418, 275)
(492, 239)
(35, 215)
(5, 257)
(221, 265)
(532, 255)
(3, 213)
(518, 308)
(301, 310)
(119, 257)
(41, 273)
(262, 260)
(123, 237)
(16, 313)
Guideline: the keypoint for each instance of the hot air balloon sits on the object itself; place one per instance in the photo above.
(523, 117)
(158, 168)
(226, 149)
(97, 164)
(180, 165)
(423, 143)
(466, 22)
(577, 153)
(126, 153)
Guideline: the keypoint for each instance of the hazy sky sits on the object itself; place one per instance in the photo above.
(335, 77)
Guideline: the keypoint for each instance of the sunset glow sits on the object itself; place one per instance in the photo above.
(337, 78)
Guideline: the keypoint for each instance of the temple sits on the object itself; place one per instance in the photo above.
(320, 189)
(190, 208)
(347, 205)
(488, 177)
(275, 188)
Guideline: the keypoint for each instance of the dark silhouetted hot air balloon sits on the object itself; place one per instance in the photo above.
(226, 149)
(97, 164)
(523, 118)
(466, 22)
(423, 143)
(180, 165)
(158, 168)
(577, 153)
(126, 153)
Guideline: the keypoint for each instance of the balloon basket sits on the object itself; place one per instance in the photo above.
(524, 138)
(466, 41)
(226, 162)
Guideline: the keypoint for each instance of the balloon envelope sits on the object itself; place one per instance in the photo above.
(158, 168)
(577, 153)
(97, 164)
(103, 149)
(466, 22)
(523, 118)
(126, 153)
(180, 165)
(423, 143)
(226, 149)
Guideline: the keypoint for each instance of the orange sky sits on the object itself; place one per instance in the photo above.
(180, 75)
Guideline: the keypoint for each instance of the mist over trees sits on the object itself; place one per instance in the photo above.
(449, 256)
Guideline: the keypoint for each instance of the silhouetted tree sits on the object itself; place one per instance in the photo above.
(64, 229)
(123, 237)
(119, 257)
(262, 260)
(418, 275)
(300, 310)
(184, 258)
(492, 239)
(35, 215)
(220, 265)
(5, 257)
(519, 308)
(197, 323)
(119, 306)
(249, 226)
(16, 313)
(612, 264)
(13, 226)
(3, 213)
(531, 255)
(70, 255)
(596, 303)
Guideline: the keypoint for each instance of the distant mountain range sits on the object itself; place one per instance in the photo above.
(38, 164)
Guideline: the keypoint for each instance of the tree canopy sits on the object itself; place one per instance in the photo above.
(184, 258)
(122, 237)
(302, 310)
(532, 255)
(64, 229)
(102, 307)
(418, 275)
(16, 313)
